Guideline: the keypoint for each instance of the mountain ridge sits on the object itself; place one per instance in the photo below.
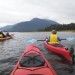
(33, 25)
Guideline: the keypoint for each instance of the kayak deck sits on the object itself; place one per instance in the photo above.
(22, 67)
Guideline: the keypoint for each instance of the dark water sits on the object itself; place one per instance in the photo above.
(11, 50)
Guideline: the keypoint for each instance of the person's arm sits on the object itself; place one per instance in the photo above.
(59, 39)
(3, 34)
(47, 40)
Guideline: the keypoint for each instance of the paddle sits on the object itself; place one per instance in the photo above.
(40, 40)
(72, 54)
(35, 40)
(32, 41)
(71, 49)
(69, 39)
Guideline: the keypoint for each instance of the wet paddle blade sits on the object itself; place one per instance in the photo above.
(32, 41)
(70, 38)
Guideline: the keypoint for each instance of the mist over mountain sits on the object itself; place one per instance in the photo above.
(33, 25)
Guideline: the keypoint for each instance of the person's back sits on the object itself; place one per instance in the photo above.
(7, 34)
(53, 38)
(1, 35)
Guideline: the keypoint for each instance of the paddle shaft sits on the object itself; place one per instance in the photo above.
(40, 40)
(63, 39)
(44, 40)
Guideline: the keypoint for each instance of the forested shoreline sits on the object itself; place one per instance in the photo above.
(60, 27)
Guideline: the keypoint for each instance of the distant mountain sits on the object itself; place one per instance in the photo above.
(6, 27)
(33, 25)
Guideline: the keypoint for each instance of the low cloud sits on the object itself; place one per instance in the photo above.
(14, 11)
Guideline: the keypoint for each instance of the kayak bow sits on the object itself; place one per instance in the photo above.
(33, 62)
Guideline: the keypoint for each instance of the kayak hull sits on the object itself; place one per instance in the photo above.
(59, 50)
(45, 69)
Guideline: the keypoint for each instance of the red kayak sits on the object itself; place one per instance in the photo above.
(62, 50)
(33, 62)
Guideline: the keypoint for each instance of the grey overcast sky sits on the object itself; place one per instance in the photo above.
(15, 11)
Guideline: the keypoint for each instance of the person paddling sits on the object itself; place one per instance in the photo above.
(53, 38)
(2, 34)
(7, 34)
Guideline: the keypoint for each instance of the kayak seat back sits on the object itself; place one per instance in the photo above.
(32, 60)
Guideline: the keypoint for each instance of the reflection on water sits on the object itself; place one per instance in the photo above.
(11, 50)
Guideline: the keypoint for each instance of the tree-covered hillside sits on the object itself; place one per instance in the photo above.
(60, 27)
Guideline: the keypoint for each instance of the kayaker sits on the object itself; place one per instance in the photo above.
(7, 34)
(2, 34)
(53, 38)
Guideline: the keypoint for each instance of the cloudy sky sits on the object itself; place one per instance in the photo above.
(15, 11)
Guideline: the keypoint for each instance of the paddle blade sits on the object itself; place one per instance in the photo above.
(70, 38)
(32, 41)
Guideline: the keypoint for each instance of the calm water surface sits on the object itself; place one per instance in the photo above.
(11, 50)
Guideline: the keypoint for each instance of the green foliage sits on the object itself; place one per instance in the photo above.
(60, 27)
